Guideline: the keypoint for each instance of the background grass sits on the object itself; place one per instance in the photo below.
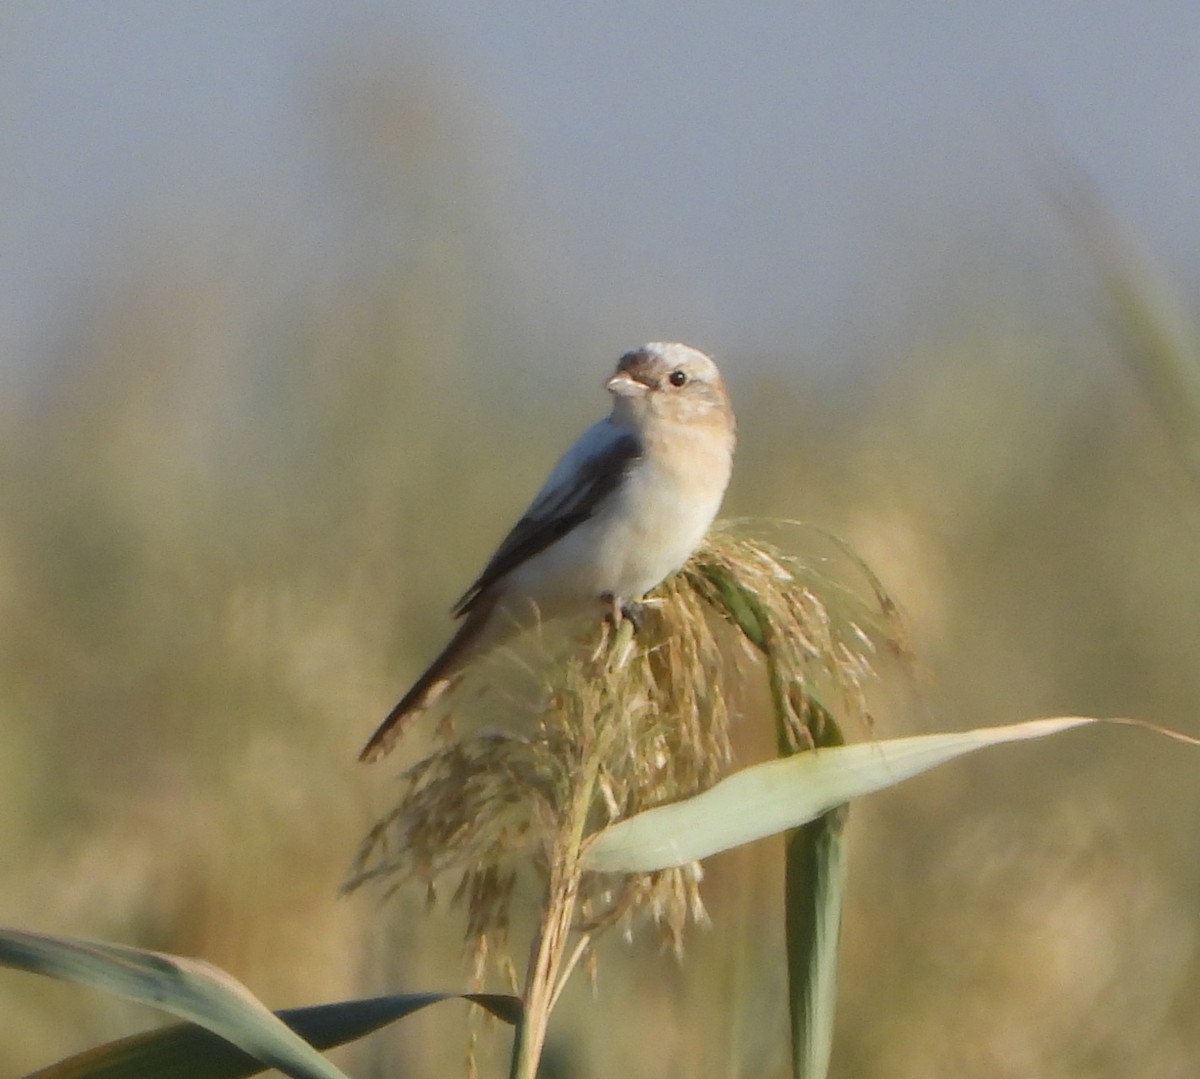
(233, 515)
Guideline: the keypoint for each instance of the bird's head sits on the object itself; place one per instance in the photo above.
(669, 382)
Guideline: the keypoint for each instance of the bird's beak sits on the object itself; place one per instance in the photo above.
(623, 384)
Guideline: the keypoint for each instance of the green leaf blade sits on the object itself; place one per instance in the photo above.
(187, 988)
(185, 1051)
(814, 892)
(769, 798)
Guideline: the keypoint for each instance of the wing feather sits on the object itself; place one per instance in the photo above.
(587, 474)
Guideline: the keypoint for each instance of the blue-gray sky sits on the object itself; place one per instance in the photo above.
(755, 169)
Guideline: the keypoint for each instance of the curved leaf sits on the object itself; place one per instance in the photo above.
(189, 988)
(184, 1051)
(773, 797)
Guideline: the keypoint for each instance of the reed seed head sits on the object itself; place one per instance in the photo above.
(641, 720)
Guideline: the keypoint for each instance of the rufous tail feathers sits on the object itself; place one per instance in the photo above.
(441, 675)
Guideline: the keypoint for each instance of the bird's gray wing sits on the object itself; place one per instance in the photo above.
(587, 474)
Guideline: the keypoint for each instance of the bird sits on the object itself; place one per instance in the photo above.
(622, 510)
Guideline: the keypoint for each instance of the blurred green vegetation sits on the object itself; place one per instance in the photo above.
(234, 512)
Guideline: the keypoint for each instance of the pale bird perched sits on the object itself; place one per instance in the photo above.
(623, 510)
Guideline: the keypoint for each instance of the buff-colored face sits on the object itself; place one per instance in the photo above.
(669, 381)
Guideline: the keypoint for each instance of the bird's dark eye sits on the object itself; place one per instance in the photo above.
(677, 378)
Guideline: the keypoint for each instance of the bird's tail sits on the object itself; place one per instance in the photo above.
(441, 675)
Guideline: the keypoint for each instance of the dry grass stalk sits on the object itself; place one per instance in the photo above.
(635, 723)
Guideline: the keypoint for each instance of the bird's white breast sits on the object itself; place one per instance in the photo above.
(640, 534)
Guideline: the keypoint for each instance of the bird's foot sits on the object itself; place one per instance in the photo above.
(636, 614)
(627, 610)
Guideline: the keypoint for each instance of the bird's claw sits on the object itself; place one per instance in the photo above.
(636, 613)
(627, 610)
